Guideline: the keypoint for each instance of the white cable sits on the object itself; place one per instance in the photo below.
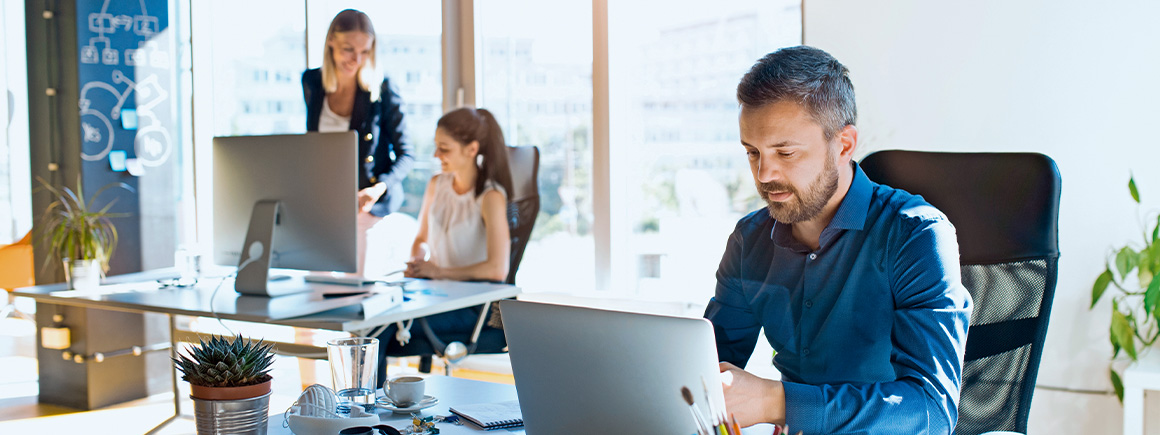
(212, 309)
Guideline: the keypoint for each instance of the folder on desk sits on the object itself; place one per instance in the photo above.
(491, 416)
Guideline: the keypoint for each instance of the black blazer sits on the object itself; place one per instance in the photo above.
(384, 154)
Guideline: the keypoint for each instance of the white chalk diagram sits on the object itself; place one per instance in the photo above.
(152, 142)
(146, 53)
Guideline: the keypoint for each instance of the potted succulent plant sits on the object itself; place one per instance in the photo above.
(77, 235)
(1133, 270)
(230, 384)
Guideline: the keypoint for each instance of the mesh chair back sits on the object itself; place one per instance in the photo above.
(1005, 208)
(525, 202)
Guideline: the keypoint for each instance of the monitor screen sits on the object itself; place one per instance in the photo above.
(311, 176)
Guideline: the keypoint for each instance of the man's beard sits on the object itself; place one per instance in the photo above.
(802, 207)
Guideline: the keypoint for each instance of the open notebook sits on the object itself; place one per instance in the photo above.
(491, 416)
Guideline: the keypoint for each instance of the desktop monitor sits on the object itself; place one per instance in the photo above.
(285, 201)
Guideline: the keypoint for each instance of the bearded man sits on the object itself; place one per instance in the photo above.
(856, 284)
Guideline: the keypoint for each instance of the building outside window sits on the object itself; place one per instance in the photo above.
(249, 56)
(680, 178)
(534, 72)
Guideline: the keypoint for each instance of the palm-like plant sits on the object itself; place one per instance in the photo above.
(73, 230)
(222, 363)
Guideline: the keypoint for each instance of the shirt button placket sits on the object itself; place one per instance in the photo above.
(808, 303)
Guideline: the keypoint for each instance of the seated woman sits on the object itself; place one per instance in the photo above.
(463, 230)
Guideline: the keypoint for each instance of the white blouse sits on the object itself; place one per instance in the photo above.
(455, 230)
(330, 122)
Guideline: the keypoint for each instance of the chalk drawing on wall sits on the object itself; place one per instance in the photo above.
(99, 49)
(152, 143)
(137, 32)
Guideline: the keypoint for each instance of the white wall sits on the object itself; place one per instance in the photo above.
(1075, 80)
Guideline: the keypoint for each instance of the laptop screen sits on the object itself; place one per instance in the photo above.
(583, 371)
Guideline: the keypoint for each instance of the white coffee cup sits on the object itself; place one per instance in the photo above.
(406, 391)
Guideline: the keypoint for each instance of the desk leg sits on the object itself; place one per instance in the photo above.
(173, 377)
(1133, 410)
(173, 370)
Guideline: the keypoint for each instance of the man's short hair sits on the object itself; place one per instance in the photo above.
(807, 76)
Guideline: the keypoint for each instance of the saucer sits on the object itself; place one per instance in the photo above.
(385, 403)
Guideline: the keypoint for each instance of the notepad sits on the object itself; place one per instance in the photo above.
(490, 416)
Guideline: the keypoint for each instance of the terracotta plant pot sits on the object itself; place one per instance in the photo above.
(230, 393)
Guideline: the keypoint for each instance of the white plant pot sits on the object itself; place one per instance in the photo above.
(83, 275)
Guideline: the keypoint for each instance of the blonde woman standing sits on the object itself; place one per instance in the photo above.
(344, 95)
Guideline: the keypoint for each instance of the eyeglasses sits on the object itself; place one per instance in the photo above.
(177, 283)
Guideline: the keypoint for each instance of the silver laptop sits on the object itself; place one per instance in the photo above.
(584, 371)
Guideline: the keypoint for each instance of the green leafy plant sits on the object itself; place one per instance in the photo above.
(1134, 271)
(222, 363)
(73, 230)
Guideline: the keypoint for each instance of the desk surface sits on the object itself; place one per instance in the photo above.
(143, 293)
(450, 392)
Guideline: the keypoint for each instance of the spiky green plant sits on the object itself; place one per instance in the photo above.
(222, 363)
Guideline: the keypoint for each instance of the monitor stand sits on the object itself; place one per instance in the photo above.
(253, 277)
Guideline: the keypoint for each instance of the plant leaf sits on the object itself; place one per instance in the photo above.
(1100, 286)
(1133, 190)
(1156, 230)
(1122, 333)
(1125, 261)
(1117, 384)
(1151, 296)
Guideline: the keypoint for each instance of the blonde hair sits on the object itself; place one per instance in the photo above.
(351, 20)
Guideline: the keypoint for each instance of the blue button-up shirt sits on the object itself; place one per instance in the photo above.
(869, 329)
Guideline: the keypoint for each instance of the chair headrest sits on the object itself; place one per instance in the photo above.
(1005, 206)
(524, 162)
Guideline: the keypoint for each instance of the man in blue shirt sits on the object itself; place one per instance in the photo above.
(857, 284)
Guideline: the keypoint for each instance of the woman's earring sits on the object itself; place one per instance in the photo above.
(479, 160)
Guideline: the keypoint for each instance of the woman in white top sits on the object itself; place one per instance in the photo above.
(463, 230)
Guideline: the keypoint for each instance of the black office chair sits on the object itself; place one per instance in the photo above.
(523, 207)
(1005, 209)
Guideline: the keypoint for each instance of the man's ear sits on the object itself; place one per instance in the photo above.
(847, 142)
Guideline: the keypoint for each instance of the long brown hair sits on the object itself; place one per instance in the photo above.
(351, 20)
(466, 125)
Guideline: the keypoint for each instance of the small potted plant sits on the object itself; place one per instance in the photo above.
(1133, 270)
(230, 384)
(79, 237)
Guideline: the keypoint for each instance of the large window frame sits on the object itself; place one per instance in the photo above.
(459, 72)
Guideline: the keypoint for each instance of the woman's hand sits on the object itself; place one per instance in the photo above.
(369, 196)
(420, 268)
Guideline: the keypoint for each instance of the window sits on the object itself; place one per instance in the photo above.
(680, 178)
(248, 43)
(408, 48)
(15, 180)
(535, 56)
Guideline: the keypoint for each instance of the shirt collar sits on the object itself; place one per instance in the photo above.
(851, 214)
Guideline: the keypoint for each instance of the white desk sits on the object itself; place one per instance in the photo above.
(141, 292)
(456, 391)
(450, 392)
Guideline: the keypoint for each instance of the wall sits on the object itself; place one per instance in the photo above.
(1074, 80)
